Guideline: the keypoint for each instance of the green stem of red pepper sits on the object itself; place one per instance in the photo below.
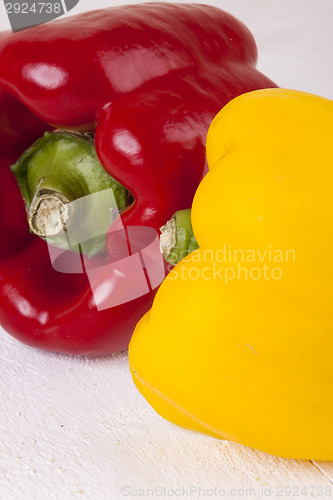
(57, 169)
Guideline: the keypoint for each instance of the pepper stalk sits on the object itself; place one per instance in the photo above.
(58, 169)
(177, 239)
(62, 167)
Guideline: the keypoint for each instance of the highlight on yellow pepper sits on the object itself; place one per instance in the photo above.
(239, 341)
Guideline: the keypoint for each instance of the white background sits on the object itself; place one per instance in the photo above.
(78, 428)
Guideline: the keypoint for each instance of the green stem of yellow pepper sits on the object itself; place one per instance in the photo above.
(177, 239)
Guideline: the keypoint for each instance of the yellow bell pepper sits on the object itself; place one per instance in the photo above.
(239, 341)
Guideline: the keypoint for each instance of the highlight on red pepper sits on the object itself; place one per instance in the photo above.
(116, 101)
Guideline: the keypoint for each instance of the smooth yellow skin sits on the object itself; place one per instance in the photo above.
(251, 360)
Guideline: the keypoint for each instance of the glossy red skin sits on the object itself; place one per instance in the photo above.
(151, 77)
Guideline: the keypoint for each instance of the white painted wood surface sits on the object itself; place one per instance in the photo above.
(78, 428)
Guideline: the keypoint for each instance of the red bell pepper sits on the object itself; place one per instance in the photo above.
(147, 80)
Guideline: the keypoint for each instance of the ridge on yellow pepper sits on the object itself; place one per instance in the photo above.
(239, 341)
